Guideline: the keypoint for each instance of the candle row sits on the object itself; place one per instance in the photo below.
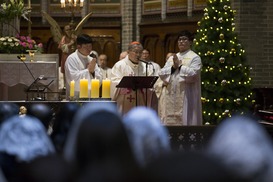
(95, 84)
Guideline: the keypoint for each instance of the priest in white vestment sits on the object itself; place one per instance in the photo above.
(103, 64)
(180, 99)
(154, 68)
(80, 65)
(131, 65)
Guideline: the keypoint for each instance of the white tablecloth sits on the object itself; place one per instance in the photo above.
(14, 71)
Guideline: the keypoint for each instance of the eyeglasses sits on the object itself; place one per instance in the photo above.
(87, 46)
(183, 39)
(145, 53)
(137, 52)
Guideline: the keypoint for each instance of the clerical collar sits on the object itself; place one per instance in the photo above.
(185, 52)
(81, 55)
(133, 62)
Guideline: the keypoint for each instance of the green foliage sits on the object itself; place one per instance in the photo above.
(226, 85)
(13, 9)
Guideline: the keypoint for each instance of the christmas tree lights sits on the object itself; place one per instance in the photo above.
(226, 85)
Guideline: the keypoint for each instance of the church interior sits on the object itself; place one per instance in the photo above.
(113, 25)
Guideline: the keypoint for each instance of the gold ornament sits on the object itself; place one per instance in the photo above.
(225, 112)
(211, 69)
(222, 36)
(221, 100)
(224, 82)
(222, 59)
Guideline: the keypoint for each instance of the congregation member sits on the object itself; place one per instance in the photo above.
(148, 137)
(22, 139)
(103, 64)
(98, 145)
(180, 100)
(80, 65)
(62, 123)
(131, 65)
(244, 147)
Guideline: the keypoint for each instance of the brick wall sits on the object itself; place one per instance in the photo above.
(254, 24)
(131, 17)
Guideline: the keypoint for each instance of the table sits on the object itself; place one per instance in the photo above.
(15, 77)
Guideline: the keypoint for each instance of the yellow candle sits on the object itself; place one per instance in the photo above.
(83, 88)
(95, 84)
(72, 88)
(106, 88)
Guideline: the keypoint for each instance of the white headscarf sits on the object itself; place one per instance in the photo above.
(148, 137)
(25, 137)
(244, 147)
(83, 112)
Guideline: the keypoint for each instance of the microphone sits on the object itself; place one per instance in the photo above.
(23, 58)
(93, 55)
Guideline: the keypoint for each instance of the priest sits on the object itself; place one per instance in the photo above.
(180, 100)
(131, 65)
(80, 65)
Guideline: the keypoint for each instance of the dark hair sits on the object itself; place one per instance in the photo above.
(186, 33)
(148, 50)
(84, 39)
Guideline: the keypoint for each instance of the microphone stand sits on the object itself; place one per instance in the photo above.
(38, 95)
(146, 62)
(27, 68)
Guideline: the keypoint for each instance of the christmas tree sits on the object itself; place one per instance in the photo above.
(226, 84)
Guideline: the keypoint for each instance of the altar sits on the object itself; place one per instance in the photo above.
(16, 76)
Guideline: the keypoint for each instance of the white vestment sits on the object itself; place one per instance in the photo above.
(76, 69)
(154, 68)
(180, 99)
(106, 72)
(126, 97)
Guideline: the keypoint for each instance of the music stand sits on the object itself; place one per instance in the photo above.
(39, 85)
(137, 82)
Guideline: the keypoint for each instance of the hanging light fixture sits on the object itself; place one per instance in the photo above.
(72, 6)
(71, 3)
